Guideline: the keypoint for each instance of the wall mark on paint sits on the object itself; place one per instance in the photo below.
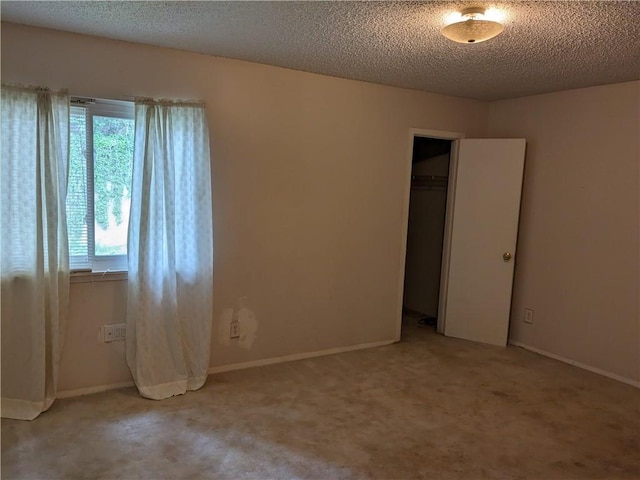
(238, 325)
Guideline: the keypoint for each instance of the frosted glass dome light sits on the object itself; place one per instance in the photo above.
(472, 27)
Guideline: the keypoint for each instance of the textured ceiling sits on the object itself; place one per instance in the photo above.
(546, 46)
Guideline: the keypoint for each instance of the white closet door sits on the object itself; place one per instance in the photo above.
(476, 301)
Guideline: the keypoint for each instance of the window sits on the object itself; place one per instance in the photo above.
(99, 186)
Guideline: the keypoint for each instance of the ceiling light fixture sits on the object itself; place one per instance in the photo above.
(472, 26)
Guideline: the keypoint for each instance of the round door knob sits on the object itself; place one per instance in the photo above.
(507, 256)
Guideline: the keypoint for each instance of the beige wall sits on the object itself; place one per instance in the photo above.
(308, 185)
(86, 362)
(578, 248)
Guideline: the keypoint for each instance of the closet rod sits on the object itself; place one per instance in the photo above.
(429, 187)
(438, 178)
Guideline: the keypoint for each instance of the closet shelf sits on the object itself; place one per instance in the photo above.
(429, 182)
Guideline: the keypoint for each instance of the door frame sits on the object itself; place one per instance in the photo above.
(448, 222)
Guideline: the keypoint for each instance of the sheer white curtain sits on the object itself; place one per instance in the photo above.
(34, 255)
(170, 250)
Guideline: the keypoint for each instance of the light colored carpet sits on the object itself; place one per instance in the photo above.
(429, 407)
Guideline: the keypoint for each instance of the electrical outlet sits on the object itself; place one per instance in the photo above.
(234, 331)
(113, 333)
(528, 316)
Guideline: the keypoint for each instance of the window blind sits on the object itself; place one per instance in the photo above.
(79, 191)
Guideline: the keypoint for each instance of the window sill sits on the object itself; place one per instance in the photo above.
(91, 277)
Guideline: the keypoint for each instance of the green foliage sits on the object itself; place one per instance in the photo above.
(113, 163)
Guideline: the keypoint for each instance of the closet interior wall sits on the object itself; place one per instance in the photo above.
(426, 225)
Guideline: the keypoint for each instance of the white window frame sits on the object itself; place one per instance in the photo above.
(104, 108)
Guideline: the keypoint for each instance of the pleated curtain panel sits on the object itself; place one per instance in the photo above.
(170, 250)
(34, 258)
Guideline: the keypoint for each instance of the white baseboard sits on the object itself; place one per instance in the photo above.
(90, 390)
(233, 366)
(628, 381)
(296, 356)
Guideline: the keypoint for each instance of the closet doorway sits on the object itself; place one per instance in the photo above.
(459, 260)
(430, 162)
